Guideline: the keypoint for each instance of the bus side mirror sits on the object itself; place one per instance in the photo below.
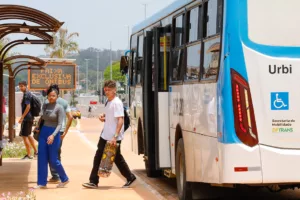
(124, 65)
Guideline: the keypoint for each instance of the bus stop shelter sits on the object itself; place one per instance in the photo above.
(41, 24)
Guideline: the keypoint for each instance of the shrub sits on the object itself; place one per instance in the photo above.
(19, 196)
(14, 150)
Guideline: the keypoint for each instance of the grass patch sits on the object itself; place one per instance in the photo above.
(14, 150)
(29, 195)
(17, 149)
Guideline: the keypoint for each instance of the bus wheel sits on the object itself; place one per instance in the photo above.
(184, 188)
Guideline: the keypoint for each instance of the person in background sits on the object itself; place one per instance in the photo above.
(26, 121)
(90, 111)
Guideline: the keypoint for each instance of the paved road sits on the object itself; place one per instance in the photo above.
(96, 110)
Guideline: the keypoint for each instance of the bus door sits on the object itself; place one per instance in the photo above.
(156, 99)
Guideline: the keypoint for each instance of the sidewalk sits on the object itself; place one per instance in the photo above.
(77, 158)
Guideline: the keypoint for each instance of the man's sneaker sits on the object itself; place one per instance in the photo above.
(27, 157)
(128, 183)
(90, 185)
(35, 154)
(62, 184)
(54, 180)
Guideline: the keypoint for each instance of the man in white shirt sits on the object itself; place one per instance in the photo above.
(113, 132)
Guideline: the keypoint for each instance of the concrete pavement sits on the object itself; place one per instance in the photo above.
(78, 151)
(162, 187)
(77, 158)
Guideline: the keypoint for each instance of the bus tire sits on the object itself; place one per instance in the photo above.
(184, 188)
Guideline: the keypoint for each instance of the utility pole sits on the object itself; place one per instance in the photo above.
(101, 88)
(145, 10)
(126, 78)
(78, 78)
(86, 76)
(110, 62)
(128, 36)
(97, 71)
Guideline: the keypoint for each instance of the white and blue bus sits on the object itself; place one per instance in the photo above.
(211, 93)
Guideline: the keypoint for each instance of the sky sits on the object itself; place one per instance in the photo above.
(97, 21)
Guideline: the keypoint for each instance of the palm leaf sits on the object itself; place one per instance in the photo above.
(73, 35)
(63, 44)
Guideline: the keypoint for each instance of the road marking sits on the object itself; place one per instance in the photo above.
(86, 140)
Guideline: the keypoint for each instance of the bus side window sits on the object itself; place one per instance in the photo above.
(132, 69)
(177, 64)
(178, 49)
(193, 24)
(179, 22)
(212, 39)
(133, 60)
(139, 63)
(193, 49)
(212, 18)
(211, 59)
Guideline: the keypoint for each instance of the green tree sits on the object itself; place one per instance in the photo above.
(116, 74)
(97, 57)
(63, 44)
(3, 42)
(73, 100)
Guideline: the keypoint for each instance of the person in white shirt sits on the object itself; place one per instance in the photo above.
(113, 132)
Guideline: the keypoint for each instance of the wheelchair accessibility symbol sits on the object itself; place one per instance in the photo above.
(279, 101)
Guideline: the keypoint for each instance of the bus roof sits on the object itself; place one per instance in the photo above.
(177, 4)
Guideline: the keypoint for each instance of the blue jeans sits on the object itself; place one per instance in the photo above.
(52, 170)
(49, 153)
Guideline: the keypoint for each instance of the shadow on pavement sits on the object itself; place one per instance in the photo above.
(205, 191)
(102, 188)
(14, 175)
(168, 189)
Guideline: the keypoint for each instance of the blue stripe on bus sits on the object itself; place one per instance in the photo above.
(274, 51)
(232, 48)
